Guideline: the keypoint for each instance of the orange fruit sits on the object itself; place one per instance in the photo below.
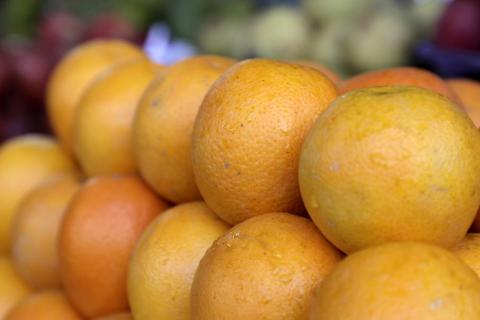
(35, 232)
(468, 250)
(12, 287)
(266, 267)
(103, 122)
(166, 258)
(45, 305)
(335, 78)
(117, 316)
(469, 93)
(74, 74)
(164, 123)
(104, 221)
(404, 280)
(26, 161)
(400, 76)
(382, 164)
(248, 135)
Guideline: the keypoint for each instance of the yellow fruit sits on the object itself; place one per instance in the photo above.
(35, 232)
(469, 93)
(103, 122)
(164, 123)
(264, 268)
(391, 163)
(12, 287)
(248, 135)
(104, 221)
(468, 250)
(166, 258)
(117, 316)
(399, 281)
(74, 74)
(45, 305)
(26, 161)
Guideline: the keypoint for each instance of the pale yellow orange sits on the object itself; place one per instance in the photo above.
(468, 91)
(166, 258)
(391, 163)
(469, 251)
(12, 287)
(26, 161)
(35, 232)
(399, 281)
(75, 72)
(104, 119)
(164, 123)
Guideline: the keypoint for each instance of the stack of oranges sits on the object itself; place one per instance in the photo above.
(214, 189)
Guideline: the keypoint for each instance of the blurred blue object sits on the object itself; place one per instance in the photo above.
(160, 48)
(448, 63)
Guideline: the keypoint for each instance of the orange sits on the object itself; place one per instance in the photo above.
(117, 316)
(400, 76)
(74, 74)
(164, 123)
(469, 251)
(104, 119)
(469, 93)
(45, 305)
(399, 281)
(104, 221)
(35, 232)
(267, 267)
(248, 135)
(166, 258)
(26, 161)
(335, 78)
(383, 164)
(12, 287)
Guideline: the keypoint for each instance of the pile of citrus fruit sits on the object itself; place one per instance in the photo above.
(214, 189)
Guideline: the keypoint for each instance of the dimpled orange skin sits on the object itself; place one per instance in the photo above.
(335, 78)
(12, 287)
(117, 316)
(25, 162)
(35, 232)
(266, 268)
(44, 305)
(100, 229)
(104, 119)
(468, 250)
(248, 135)
(468, 91)
(399, 281)
(400, 76)
(74, 74)
(166, 258)
(382, 164)
(164, 122)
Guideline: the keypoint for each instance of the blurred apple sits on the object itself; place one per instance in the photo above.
(112, 25)
(30, 69)
(459, 26)
(5, 74)
(58, 32)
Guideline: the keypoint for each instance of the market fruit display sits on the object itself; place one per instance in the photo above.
(215, 188)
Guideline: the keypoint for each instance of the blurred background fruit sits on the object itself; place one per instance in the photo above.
(346, 36)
